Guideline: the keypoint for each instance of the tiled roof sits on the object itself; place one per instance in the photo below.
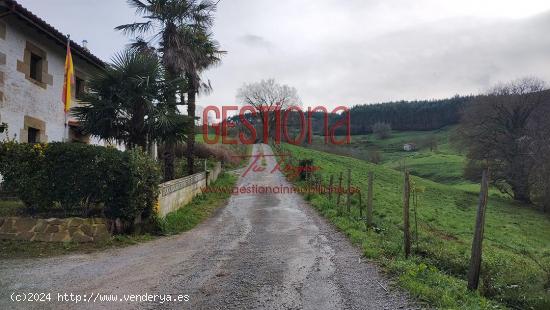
(8, 7)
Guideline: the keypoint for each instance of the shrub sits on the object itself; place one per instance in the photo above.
(375, 156)
(430, 141)
(68, 179)
(144, 177)
(18, 166)
(382, 130)
(218, 152)
(306, 168)
(228, 155)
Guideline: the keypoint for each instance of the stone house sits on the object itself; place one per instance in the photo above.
(32, 62)
(409, 147)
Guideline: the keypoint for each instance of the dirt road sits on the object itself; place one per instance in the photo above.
(264, 251)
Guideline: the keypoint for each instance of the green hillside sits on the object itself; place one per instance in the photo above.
(443, 164)
(516, 257)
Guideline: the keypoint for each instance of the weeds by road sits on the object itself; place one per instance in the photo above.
(200, 208)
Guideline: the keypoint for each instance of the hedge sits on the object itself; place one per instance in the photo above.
(77, 179)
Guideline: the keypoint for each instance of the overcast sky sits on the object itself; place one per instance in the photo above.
(347, 52)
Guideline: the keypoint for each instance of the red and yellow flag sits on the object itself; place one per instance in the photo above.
(68, 81)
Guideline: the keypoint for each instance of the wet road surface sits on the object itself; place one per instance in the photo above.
(261, 251)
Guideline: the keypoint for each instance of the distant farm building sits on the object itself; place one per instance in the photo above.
(409, 147)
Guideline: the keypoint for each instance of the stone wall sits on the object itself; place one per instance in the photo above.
(214, 173)
(177, 193)
(54, 230)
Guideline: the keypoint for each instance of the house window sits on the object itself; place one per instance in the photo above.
(79, 88)
(33, 135)
(35, 71)
(35, 66)
(33, 130)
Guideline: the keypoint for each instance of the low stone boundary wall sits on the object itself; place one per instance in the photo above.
(54, 230)
(177, 193)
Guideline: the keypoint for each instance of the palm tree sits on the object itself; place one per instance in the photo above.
(165, 20)
(206, 53)
(120, 100)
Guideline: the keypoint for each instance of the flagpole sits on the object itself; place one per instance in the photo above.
(66, 131)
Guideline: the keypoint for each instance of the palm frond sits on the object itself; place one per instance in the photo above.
(135, 28)
(140, 7)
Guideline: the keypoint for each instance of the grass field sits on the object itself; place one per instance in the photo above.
(516, 257)
(443, 164)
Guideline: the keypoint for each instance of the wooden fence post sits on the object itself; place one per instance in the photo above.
(331, 187)
(475, 260)
(360, 206)
(369, 199)
(349, 191)
(206, 171)
(406, 224)
(339, 191)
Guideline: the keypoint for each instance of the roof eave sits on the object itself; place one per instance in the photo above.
(24, 14)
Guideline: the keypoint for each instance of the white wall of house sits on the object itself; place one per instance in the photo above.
(21, 96)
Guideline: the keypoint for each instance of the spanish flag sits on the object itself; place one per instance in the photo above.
(68, 81)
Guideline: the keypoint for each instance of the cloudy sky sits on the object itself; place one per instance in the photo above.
(347, 52)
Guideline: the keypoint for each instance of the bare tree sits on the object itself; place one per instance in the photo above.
(430, 142)
(496, 129)
(267, 96)
(382, 130)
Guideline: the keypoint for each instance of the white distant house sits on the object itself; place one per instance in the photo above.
(32, 62)
(409, 147)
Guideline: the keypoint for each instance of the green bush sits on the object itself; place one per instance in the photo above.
(68, 179)
(19, 164)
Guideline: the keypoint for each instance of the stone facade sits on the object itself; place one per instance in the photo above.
(32, 66)
(54, 230)
(176, 194)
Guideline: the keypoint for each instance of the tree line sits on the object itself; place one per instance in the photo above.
(421, 115)
(408, 115)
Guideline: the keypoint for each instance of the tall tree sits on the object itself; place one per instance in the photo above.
(540, 153)
(266, 96)
(206, 53)
(165, 27)
(496, 129)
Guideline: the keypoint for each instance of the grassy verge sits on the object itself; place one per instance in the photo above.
(176, 222)
(200, 208)
(26, 249)
(10, 208)
(516, 257)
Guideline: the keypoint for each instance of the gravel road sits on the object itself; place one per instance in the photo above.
(261, 251)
